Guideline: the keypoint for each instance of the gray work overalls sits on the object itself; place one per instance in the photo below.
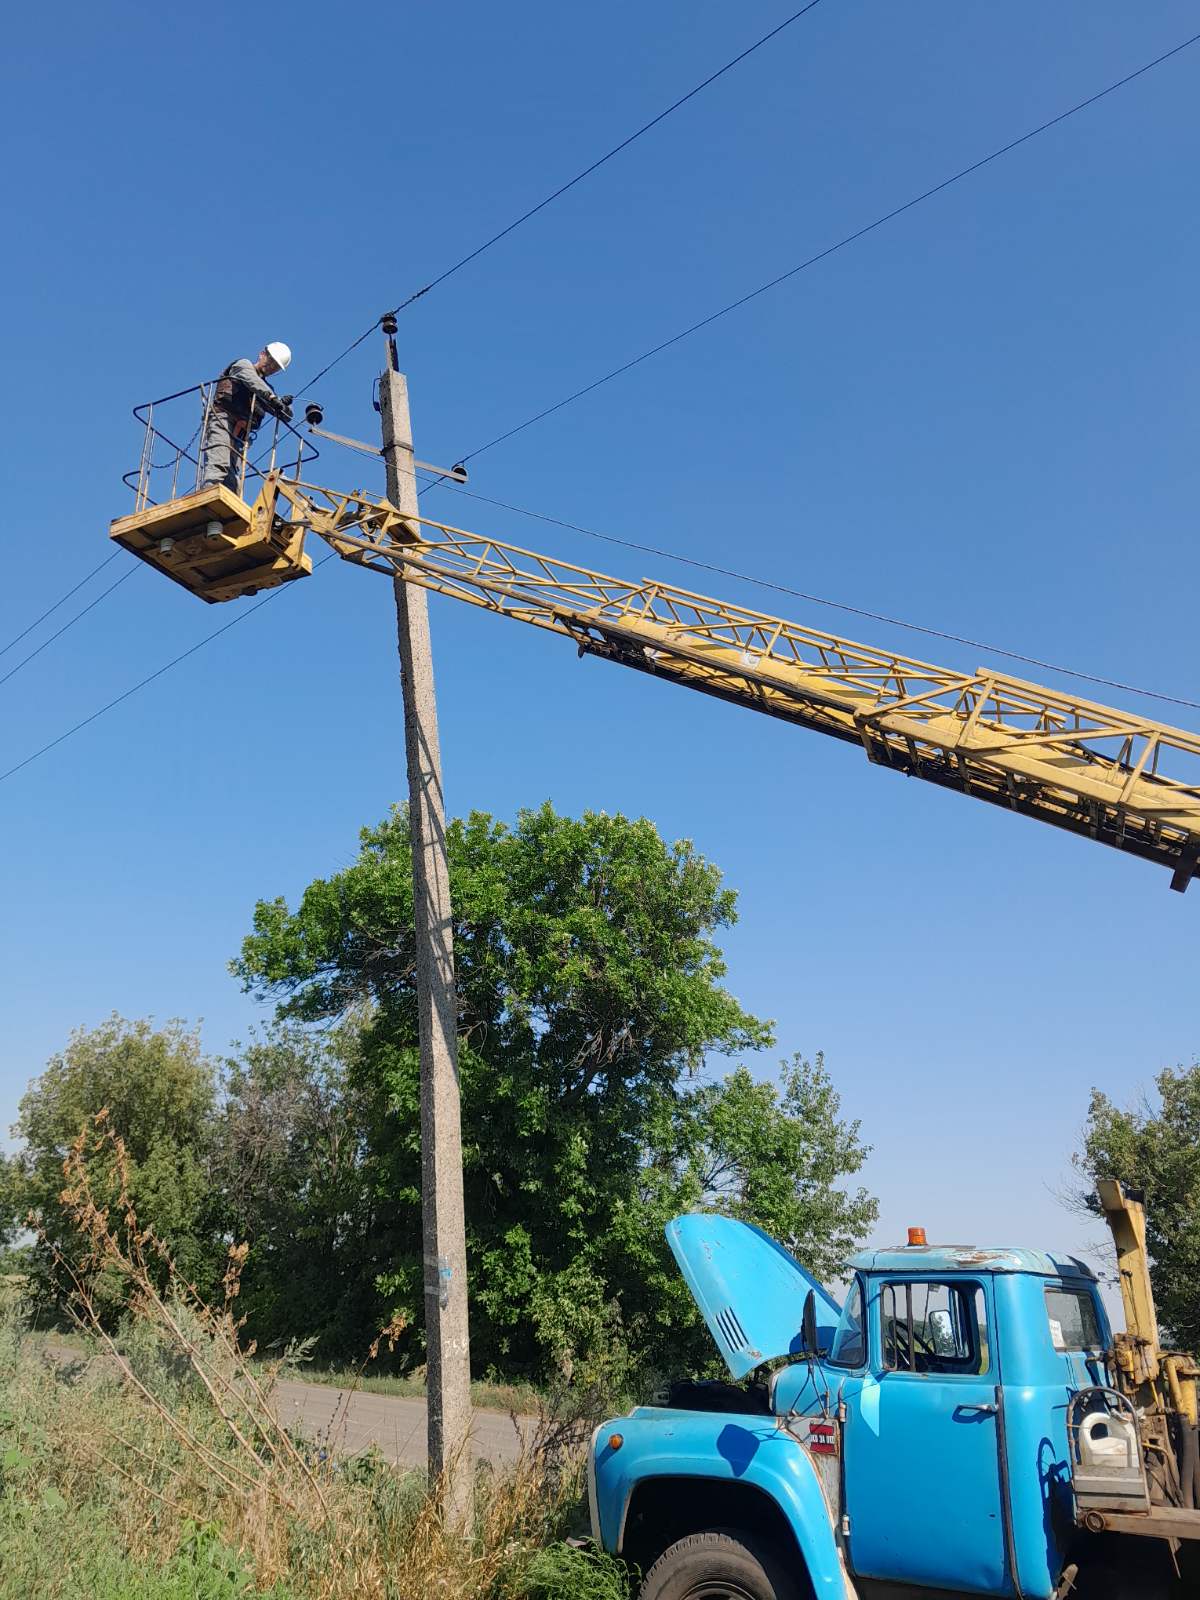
(241, 399)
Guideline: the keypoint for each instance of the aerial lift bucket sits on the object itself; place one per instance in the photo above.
(211, 540)
(215, 545)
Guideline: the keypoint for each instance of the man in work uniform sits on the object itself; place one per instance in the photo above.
(241, 400)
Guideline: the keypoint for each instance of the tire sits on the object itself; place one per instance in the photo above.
(719, 1564)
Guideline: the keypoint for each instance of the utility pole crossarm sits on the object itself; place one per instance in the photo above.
(1122, 779)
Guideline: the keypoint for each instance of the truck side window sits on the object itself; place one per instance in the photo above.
(934, 1327)
(1073, 1321)
(850, 1340)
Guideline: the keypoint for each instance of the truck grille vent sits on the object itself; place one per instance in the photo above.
(731, 1329)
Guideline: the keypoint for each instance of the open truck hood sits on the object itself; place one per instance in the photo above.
(749, 1290)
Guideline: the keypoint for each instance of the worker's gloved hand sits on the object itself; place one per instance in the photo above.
(283, 407)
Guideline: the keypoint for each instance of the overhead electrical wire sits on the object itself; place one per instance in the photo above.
(503, 234)
(822, 600)
(62, 600)
(91, 605)
(822, 255)
(562, 189)
(675, 339)
(150, 677)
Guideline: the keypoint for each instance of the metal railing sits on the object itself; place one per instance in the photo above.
(155, 481)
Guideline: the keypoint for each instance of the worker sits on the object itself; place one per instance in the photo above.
(241, 399)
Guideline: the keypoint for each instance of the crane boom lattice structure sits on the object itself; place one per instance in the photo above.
(1125, 780)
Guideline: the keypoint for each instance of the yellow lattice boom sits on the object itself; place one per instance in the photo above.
(1122, 779)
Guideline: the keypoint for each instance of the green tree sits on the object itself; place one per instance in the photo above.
(288, 1166)
(589, 996)
(159, 1091)
(771, 1153)
(1157, 1147)
(11, 1212)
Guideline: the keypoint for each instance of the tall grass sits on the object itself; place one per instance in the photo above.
(156, 1467)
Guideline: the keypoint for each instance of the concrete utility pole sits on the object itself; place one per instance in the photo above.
(443, 1219)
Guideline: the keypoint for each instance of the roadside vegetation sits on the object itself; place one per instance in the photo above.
(593, 1017)
(152, 1466)
(206, 1226)
(1155, 1145)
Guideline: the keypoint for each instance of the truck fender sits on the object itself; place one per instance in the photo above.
(745, 1452)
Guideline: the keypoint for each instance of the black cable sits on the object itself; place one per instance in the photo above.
(62, 600)
(821, 600)
(191, 651)
(762, 289)
(91, 605)
(563, 188)
(821, 255)
(330, 366)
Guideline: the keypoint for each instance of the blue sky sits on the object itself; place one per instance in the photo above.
(983, 416)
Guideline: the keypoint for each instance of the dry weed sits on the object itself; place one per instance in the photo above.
(176, 1415)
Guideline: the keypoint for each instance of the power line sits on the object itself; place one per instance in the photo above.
(829, 250)
(150, 678)
(504, 232)
(516, 223)
(91, 605)
(62, 600)
(563, 188)
(822, 600)
(675, 339)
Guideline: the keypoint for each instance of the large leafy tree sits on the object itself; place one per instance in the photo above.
(589, 996)
(771, 1153)
(289, 1166)
(159, 1092)
(10, 1200)
(1157, 1148)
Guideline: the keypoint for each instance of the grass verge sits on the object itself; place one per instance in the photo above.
(522, 1398)
(159, 1471)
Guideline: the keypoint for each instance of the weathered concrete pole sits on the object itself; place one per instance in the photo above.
(443, 1219)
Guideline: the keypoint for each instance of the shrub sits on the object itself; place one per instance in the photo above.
(153, 1466)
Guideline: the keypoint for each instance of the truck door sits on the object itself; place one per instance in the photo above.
(921, 1462)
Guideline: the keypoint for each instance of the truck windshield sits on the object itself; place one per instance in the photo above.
(849, 1341)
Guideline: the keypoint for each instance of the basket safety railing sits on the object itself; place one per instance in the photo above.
(155, 481)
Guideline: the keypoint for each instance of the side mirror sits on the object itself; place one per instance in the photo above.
(808, 1325)
(940, 1330)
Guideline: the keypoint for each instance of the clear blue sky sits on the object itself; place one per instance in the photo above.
(983, 416)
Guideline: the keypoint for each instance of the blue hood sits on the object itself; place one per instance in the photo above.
(750, 1292)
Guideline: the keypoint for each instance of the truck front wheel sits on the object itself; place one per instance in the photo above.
(719, 1564)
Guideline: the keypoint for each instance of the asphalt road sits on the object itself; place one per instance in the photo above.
(396, 1426)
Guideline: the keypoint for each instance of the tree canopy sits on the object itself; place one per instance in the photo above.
(159, 1091)
(591, 1007)
(589, 998)
(1157, 1148)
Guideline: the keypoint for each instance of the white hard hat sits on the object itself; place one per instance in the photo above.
(280, 354)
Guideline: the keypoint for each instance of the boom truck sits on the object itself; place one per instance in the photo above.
(965, 1422)
(1123, 779)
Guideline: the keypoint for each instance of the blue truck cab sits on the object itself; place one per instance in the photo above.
(913, 1441)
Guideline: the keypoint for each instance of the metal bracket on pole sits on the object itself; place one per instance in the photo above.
(458, 472)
